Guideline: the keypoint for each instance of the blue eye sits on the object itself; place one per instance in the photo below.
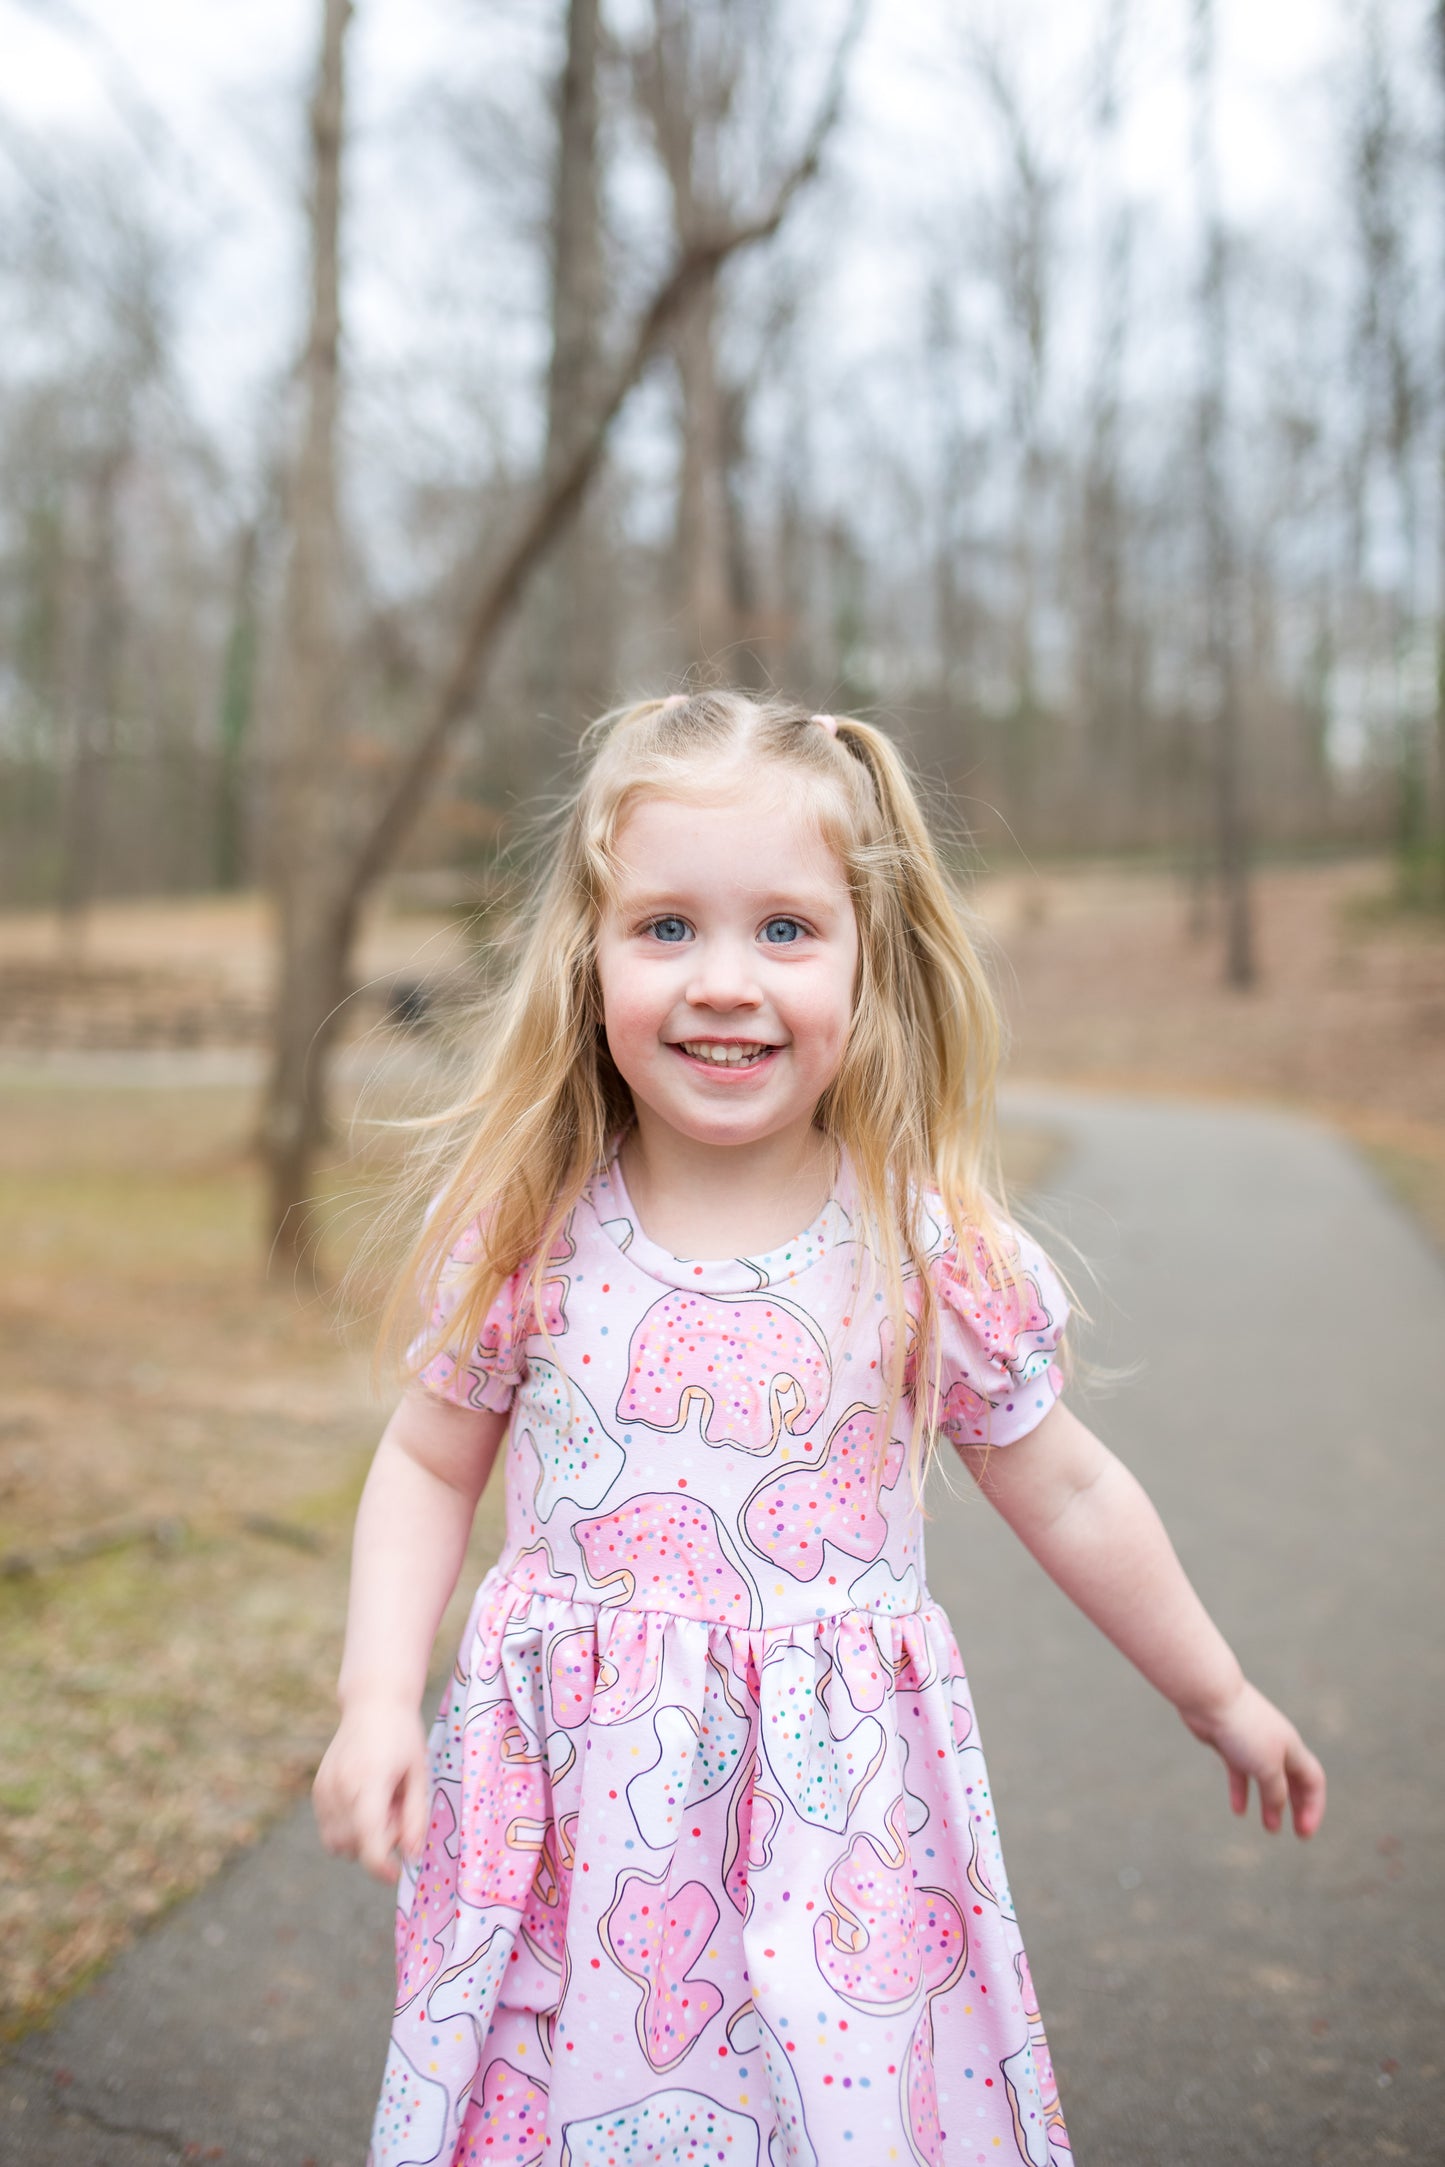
(782, 932)
(669, 929)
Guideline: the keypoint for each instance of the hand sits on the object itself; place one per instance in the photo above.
(1255, 1739)
(370, 1792)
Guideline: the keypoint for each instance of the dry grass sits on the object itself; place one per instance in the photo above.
(1409, 1158)
(166, 1698)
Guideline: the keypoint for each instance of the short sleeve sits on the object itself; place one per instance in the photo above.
(489, 1372)
(999, 1347)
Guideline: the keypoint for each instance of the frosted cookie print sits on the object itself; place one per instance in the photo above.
(658, 1794)
(752, 1366)
(1033, 2096)
(821, 1771)
(506, 2126)
(672, 2125)
(667, 1551)
(504, 1809)
(629, 1667)
(422, 1929)
(658, 1939)
(754, 1815)
(791, 1517)
(411, 2116)
(577, 1461)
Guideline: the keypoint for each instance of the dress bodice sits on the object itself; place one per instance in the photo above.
(702, 1437)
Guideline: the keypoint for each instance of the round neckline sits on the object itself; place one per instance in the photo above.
(720, 1275)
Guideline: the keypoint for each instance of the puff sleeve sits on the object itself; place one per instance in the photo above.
(488, 1373)
(999, 1371)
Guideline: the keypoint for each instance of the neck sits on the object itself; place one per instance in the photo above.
(707, 1200)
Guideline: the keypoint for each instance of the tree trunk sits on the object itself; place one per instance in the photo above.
(1232, 853)
(94, 638)
(1025, 256)
(688, 81)
(237, 703)
(309, 807)
(1112, 778)
(702, 508)
(1438, 27)
(749, 631)
(317, 928)
(575, 661)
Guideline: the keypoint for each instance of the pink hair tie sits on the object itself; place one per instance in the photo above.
(829, 723)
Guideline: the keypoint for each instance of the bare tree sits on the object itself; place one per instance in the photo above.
(91, 647)
(341, 836)
(693, 76)
(91, 302)
(1438, 39)
(1388, 415)
(237, 709)
(1220, 565)
(1023, 265)
(954, 458)
(687, 73)
(575, 649)
(316, 921)
(1103, 662)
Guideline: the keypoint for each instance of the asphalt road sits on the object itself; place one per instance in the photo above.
(1214, 1997)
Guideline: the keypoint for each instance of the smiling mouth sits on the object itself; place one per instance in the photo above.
(732, 1054)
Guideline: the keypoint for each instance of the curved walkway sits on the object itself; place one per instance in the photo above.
(1214, 1998)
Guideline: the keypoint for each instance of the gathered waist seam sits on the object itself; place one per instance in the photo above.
(654, 1610)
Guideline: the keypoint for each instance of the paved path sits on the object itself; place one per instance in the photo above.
(1215, 1998)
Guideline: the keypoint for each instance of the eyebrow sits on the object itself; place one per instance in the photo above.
(775, 903)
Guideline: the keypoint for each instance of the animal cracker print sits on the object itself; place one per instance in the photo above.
(711, 1870)
(752, 1365)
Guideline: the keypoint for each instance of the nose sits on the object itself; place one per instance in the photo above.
(723, 976)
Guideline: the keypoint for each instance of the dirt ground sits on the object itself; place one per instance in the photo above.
(187, 973)
(182, 1442)
(1105, 985)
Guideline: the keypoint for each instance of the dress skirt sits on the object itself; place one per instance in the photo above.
(698, 1892)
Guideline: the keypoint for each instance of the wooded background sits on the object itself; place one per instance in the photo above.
(1124, 506)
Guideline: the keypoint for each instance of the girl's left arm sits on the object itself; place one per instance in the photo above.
(1093, 1529)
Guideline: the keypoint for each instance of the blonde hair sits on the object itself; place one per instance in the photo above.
(912, 1102)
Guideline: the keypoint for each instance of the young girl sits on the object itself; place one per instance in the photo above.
(701, 1865)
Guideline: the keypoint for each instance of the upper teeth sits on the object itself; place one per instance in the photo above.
(726, 1056)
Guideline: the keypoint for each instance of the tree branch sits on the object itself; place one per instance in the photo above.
(557, 501)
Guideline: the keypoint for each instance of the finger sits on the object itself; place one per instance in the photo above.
(333, 1820)
(1273, 1794)
(336, 1837)
(1238, 1791)
(375, 1820)
(1306, 1791)
(414, 1811)
(377, 1852)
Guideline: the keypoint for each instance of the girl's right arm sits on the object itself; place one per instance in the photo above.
(411, 1534)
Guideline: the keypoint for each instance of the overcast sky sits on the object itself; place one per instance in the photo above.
(213, 87)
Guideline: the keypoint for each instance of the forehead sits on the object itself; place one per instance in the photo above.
(726, 840)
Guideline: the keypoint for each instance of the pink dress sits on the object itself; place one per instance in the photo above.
(712, 1873)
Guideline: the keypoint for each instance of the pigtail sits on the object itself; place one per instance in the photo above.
(914, 1099)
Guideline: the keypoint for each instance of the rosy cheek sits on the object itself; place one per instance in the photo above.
(631, 1023)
